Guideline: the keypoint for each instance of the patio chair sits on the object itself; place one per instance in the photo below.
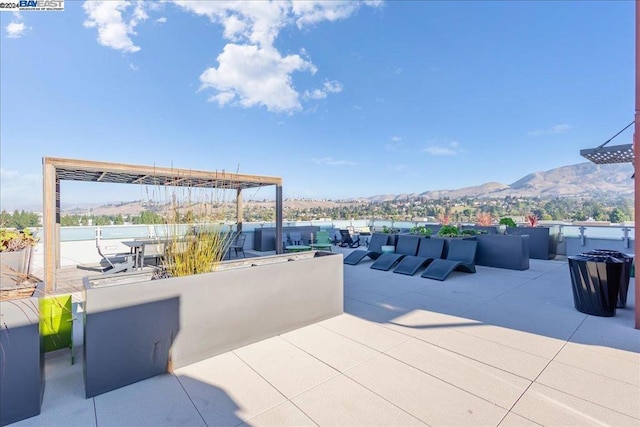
(374, 251)
(428, 250)
(238, 245)
(347, 241)
(153, 252)
(115, 267)
(322, 241)
(461, 257)
(296, 238)
(407, 245)
(337, 237)
(284, 242)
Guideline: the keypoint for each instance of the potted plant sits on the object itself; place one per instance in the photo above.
(542, 242)
(504, 224)
(448, 231)
(16, 248)
(421, 230)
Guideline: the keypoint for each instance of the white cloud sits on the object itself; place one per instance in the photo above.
(253, 22)
(315, 94)
(330, 161)
(553, 130)
(440, 151)
(133, 66)
(333, 86)
(395, 144)
(16, 28)
(561, 128)
(328, 87)
(313, 12)
(253, 75)
(251, 71)
(20, 190)
(448, 149)
(114, 29)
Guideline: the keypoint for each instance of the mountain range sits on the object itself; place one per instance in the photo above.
(580, 180)
(584, 180)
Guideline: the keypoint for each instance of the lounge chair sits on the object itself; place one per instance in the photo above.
(428, 250)
(336, 238)
(461, 257)
(115, 267)
(378, 240)
(407, 245)
(347, 241)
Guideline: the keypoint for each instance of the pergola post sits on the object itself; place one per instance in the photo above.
(239, 208)
(279, 218)
(636, 160)
(51, 224)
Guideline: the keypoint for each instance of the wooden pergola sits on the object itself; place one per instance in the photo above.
(58, 169)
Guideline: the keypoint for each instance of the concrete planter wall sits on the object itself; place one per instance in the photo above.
(21, 360)
(137, 330)
(503, 251)
(543, 242)
(19, 261)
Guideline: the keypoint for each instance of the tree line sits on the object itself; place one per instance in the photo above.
(465, 209)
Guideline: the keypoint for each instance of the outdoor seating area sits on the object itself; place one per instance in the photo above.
(460, 255)
(500, 347)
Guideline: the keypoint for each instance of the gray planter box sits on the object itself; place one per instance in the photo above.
(542, 242)
(137, 330)
(487, 229)
(21, 360)
(503, 251)
(12, 263)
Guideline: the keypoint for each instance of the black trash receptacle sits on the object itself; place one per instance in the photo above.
(595, 281)
(626, 272)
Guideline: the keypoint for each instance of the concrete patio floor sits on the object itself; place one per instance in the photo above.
(499, 347)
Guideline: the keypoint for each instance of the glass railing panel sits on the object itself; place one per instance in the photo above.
(124, 232)
(70, 234)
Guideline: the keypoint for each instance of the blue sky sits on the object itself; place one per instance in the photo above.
(341, 99)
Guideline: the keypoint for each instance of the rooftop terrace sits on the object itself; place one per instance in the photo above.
(499, 347)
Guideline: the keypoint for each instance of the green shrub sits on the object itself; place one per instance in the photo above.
(508, 222)
(421, 230)
(448, 231)
(389, 230)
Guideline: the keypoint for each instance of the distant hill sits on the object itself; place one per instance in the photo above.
(581, 180)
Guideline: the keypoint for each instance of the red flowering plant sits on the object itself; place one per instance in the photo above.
(484, 219)
(532, 220)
